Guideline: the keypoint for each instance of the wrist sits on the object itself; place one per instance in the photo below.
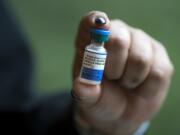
(84, 128)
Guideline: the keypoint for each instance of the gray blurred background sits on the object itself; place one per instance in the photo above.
(50, 26)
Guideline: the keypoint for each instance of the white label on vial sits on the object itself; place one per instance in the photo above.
(93, 66)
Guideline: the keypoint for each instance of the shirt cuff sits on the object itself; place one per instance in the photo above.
(142, 129)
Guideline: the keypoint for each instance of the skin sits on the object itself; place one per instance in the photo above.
(136, 79)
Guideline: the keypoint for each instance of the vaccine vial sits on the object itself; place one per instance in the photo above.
(95, 56)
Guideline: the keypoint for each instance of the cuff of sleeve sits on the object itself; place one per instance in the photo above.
(142, 129)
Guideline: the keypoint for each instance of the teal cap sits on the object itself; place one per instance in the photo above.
(100, 35)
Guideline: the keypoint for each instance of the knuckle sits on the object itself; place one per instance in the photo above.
(118, 22)
(139, 32)
(140, 35)
(158, 74)
(168, 65)
(121, 42)
(172, 68)
(120, 35)
(140, 60)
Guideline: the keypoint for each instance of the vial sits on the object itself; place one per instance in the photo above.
(95, 55)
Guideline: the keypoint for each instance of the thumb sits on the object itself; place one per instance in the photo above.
(86, 95)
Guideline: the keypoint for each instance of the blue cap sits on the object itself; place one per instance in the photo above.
(100, 35)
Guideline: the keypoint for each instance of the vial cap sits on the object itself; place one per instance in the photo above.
(100, 35)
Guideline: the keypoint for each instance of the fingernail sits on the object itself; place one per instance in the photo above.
(74, 97)
(100, 21)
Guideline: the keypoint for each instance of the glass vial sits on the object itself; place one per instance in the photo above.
(94, 57)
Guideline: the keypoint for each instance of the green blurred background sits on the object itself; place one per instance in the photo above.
(50, 26)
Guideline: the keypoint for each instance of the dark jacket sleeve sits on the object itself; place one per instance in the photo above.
(15, 63)
(19, 112)
(56, 115)
(52, 115)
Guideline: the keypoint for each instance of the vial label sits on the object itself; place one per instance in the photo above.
(93, 66)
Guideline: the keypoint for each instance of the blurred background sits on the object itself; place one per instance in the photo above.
(50, 26)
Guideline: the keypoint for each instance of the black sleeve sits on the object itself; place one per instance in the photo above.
(56, 115)
(52, 115)
(15, 64)
(19, 112)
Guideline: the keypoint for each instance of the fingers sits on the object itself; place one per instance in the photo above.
(130, 55)
(83, 36)
(117, 48)
(159, 77)
(139, 60)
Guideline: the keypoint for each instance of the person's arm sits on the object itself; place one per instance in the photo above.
(136, 80)
(15, 64)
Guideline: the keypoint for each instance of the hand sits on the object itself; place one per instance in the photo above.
(136, 78)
